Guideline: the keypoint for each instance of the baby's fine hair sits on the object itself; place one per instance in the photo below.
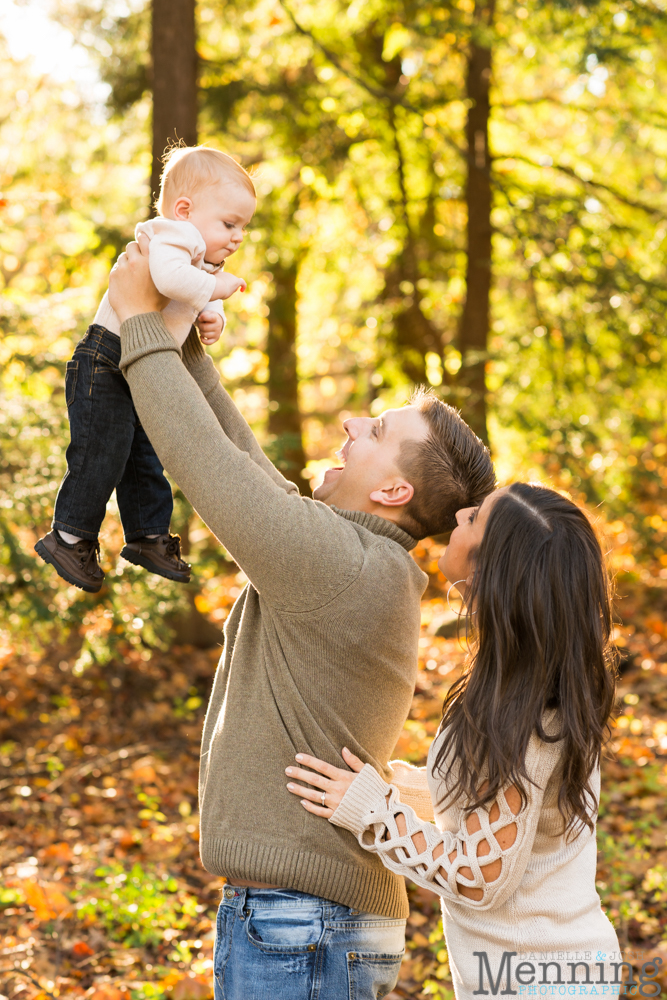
(188, 169)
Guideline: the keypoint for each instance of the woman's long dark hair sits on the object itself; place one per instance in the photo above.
(540, 639)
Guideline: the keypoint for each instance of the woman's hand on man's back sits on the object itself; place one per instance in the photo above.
(328, 781)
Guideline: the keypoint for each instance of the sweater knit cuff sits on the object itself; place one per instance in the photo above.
(144, 334)
(199, 363)
(366, 794)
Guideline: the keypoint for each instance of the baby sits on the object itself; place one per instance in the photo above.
(206, 200)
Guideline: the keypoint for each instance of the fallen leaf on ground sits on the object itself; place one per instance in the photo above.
(59, 852)
(47, 900)
(108, 992)
(81, 949)
(189, 988)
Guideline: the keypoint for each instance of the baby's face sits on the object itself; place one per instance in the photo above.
(220, 213)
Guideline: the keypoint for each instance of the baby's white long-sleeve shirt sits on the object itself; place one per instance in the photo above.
(177, 266)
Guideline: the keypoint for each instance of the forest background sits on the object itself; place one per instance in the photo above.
(468, 194)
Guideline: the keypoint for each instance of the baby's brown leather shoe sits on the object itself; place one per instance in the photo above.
(77, 563)
(161, 555)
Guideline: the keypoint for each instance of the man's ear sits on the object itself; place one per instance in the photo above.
(394, 494)
(182, 208)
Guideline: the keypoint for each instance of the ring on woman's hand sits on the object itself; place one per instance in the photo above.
(324, 795)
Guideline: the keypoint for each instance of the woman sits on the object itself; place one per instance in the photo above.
(514, 770)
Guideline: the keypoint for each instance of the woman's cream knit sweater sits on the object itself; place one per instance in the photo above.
(542, 908)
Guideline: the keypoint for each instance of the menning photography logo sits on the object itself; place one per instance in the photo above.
(560, 977)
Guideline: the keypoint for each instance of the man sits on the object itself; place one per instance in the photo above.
(320, 652)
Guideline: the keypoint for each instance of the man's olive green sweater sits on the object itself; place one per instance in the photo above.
(320, 648)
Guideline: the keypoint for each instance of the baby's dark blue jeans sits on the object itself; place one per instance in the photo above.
(108, 449)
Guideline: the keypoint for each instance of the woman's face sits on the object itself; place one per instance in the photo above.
(458, 560)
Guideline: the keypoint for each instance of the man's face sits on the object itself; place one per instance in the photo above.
(369, 461)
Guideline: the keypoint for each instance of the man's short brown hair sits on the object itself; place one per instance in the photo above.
(449, 470)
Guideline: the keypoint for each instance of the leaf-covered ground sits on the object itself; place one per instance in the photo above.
(102, 893)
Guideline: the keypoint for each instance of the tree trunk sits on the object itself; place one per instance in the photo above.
(191, 628)
(189, 625)
(284, 415)
(414, 333)
(474, 329)
(174, 79)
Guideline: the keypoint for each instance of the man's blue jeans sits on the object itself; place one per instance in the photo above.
(279, 944)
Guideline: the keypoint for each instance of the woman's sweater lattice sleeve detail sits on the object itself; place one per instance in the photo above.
(370, 808)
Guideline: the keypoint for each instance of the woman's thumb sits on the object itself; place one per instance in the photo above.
(352, 762)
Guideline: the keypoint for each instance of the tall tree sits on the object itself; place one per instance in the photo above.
(174, 79)
(283, 384)
(474, 329)
(174, 86)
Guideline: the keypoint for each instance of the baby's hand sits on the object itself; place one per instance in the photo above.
(210, 326)
(226, 284)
